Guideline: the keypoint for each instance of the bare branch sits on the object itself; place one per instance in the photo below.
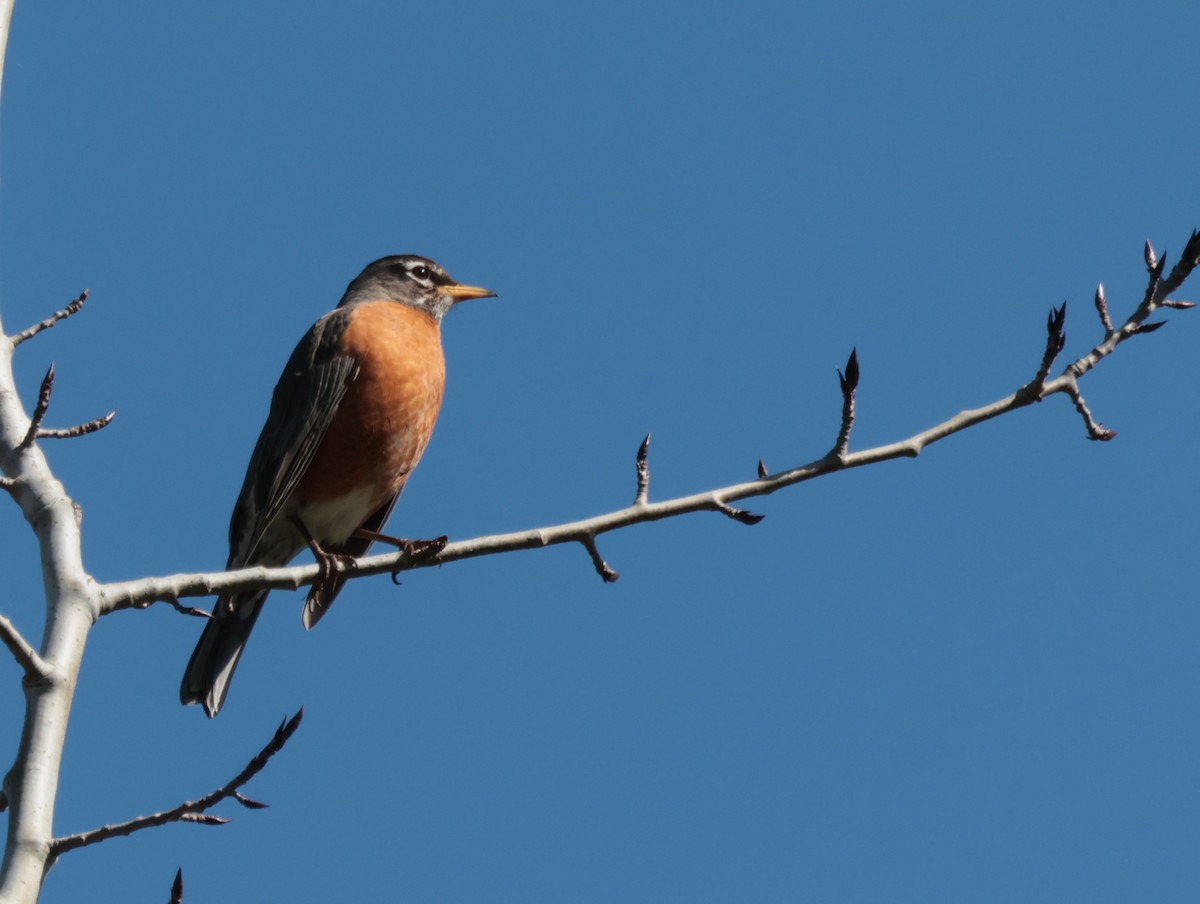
(643, 473)
(78, 430)
(188, 811)
(34, 667)
(125, 595)
(72, 307)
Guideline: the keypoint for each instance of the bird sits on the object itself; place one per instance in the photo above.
(350, 418)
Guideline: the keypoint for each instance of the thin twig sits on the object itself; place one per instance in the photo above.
(32, 664)
(1189, 259)
(179, 607)
(177, 888)
(643, 473)
(740, 515)
(72, 307)
(40, 409)
(849, 384)
(1056, 340)
(1095, 430)
(1102, 309)
(602, 567)
(78, 430)
(188, 811)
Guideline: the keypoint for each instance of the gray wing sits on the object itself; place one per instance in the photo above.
(305, 402)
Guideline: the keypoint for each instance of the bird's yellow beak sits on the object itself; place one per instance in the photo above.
(461, 293)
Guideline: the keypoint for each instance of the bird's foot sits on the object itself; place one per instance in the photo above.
(418, 550)
(329, 562)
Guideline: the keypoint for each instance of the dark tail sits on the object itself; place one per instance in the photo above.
(209, 671)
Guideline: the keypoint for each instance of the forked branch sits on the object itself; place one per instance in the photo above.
(192, 810)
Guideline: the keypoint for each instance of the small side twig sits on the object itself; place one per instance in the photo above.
(643, 473)
(1095, 430)
(40, 409)
(849, 383)
(1102, 310)
(78, 430)
(177, 888)
(1154, 266)
(739, 515)
(1189, 259)
(1056, 340)
(32, 664)
(188, 811)
(72, 307)
(602, 568)
(179, 607)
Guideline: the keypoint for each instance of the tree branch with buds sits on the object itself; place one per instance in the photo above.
(75, 600)
(143, 592)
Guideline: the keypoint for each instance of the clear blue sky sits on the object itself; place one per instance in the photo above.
(972, 676)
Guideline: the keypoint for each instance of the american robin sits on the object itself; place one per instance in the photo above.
(349, 419)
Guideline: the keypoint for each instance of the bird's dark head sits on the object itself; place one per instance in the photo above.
(412, 280)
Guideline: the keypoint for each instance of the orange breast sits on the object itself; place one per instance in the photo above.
(386, 417)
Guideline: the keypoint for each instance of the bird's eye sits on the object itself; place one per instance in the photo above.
(421, 272)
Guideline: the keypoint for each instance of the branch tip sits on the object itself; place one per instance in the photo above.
(849, 384)
(762, 470)
(177, 888)
(739, 515)
(73, 307)
(204, 819)
(177, 606)
(40, 409)
(1102, 309)
(602, 568)
(849, 380)
(643, 473)
(1095, 430)
(91, 426)
(249, 803)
